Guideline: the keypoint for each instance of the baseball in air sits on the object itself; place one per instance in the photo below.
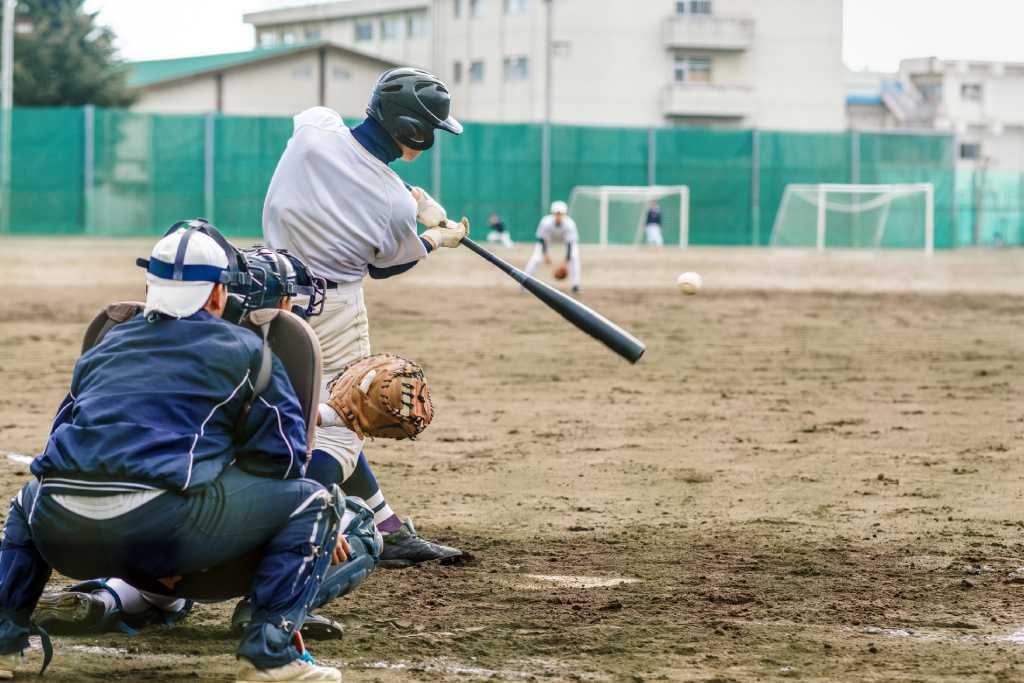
(689, 283)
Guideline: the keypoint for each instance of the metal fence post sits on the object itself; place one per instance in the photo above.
(755, 187)
(88, 207)
(435, 168)
(652, 156)
(209, 150)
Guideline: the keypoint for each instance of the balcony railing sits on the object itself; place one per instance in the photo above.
(709, 33)
(710, 101)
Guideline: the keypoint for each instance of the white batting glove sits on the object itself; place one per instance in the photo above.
(429, 212)
(448, 234)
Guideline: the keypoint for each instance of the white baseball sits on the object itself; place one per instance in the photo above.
(689, 283)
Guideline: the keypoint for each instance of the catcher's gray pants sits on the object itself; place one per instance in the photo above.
(344, 333)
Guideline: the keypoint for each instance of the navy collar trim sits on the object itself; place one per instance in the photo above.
(376, 140)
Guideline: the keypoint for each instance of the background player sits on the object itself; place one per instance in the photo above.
(498, 232)
(336, 204)
(654, 240)
(557, 228)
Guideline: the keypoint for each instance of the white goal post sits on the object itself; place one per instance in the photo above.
(856, 217)
(617, 214)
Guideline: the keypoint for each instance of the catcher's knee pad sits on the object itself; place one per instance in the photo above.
(366, 543)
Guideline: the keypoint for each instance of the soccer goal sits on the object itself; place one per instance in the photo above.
(856, 217)
(610, 214)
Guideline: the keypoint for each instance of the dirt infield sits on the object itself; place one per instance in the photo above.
(813, 473)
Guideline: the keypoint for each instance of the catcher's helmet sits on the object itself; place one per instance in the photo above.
(277, 274)
(410, 104)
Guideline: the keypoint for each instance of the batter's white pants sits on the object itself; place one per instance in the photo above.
(557, 252)
(654, 235)
(503, 237)
(344, 333)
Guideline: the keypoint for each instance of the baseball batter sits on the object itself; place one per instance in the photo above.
(336, 204)
(557, 228)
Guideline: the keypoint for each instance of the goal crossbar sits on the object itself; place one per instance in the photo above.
(817, 195)
(645, 192)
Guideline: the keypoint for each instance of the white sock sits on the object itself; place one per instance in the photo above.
(133, 600)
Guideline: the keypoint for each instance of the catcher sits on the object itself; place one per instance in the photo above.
(101, 605)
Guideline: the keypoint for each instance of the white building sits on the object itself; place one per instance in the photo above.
(982, 103)
(739, 63)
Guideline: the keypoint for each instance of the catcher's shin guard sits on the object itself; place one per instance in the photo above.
(268, 641)
(366, 543)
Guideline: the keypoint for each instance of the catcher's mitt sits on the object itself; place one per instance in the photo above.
(382, 395)
(561, 272)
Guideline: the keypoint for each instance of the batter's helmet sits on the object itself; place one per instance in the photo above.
(410, 104)
(277, 274)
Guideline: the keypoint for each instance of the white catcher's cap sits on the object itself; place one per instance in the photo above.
(559, 207)
(182, 298)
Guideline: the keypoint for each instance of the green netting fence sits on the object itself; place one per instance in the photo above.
(96, 171)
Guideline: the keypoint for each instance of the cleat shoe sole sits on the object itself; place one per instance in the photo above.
(67, 613)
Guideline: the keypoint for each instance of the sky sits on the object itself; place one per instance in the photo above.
(876, 33)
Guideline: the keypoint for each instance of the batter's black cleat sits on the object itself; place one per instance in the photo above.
(404, 548)
(315, 627)
(68, 613)
(577, 290)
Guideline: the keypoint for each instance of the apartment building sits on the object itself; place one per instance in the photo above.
(730, 63)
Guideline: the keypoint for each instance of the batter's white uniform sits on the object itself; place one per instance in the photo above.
(338, 209)
(552, 234)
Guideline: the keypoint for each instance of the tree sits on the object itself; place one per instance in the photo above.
(63, 59)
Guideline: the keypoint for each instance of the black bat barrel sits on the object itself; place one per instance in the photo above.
(583, 317)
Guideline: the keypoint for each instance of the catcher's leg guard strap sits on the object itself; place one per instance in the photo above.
(268, 641)
(366, 544)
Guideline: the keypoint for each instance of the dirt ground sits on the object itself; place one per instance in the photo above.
(813, 473)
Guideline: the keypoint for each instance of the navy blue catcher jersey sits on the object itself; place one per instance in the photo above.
(155, 405)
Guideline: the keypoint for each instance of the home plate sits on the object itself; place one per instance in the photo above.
(575, 581)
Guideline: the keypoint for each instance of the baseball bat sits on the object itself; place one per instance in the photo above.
(583, 317)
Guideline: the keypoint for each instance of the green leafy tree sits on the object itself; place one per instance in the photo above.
(63, 59)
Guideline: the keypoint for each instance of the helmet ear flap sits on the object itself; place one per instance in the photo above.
(414, 134)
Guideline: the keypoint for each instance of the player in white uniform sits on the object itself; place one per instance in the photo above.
(336, 205)
(557, 228)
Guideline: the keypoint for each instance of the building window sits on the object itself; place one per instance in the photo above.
(288, 38)
(931, 92)
(517, 69)
(389, 29)
(268, 39)
(364, 32)
(517, 6)
(302, 72)
(419, 27)
(476, 71)
(690, 70)
(341, 75)
(970, 92)
(970, 150)
(457, 72)
(696, 7)
(312, 35)
(477, 8)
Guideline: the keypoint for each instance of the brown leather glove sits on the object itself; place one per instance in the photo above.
(382, 395)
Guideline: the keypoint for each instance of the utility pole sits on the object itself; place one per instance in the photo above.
(6, 104)
(545, 153)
